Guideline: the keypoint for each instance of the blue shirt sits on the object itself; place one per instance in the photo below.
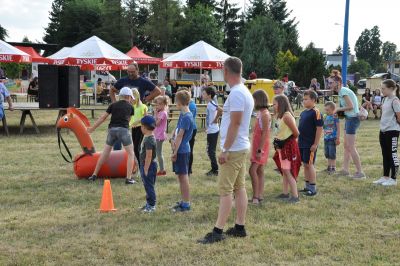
(193, 110)
(330, 127)
(310, 119)
(144, 86)
(185, 122)
(347, 92)
(3, 94)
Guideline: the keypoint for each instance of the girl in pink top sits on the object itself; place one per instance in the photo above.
(260, 145)
(161, 115)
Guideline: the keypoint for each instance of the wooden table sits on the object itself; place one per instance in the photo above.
(26, 109)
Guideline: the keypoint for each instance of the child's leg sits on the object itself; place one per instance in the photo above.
(260, 174)
(184, 186)
(254, 180)
(386, 151)
(212, 140)
(103, 157)
(129, 164)
(309, 169)
(285, 185)
(149, 181)
(159, 152)
(191, 144)
(291, 182)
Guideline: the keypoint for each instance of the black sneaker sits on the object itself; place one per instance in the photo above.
(236, 233)
(92, 178)
(283, 196)
(211, 238)
(310, 193)
(293, 200)
(212, 173)
(130, 181)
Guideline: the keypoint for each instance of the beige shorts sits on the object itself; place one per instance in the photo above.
(231, 175)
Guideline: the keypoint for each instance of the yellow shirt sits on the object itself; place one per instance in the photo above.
(282, 131)
(140, 112)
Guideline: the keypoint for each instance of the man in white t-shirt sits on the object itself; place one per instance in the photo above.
(235, 146)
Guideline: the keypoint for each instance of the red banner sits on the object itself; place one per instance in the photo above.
(8, 58)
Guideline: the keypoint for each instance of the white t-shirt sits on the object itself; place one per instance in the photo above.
(212, 110)
(239, 100)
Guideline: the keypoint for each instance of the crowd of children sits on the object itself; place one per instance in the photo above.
(295, 145)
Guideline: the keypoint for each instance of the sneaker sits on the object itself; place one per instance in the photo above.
(310, 193)
(180, 208)
(380, 181)
(359, 176)
(212, 173)
(162, 173)
(390, 182)
(293, 200)
(130, 181)
(342, 173)
(149, 209)
(211, 238)
(236, 233)
(282, 196)
(332, 171)
(92, 178)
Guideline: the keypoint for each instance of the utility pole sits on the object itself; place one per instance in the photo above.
(345, 42)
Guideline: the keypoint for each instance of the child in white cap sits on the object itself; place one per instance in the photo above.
(118, 130)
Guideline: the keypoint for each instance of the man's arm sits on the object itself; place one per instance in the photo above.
(233, 129)
(98, 122)
(153, 94)
(113, 91)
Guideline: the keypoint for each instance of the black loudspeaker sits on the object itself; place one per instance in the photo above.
(59, 86)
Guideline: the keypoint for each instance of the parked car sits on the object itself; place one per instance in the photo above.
(362, 83)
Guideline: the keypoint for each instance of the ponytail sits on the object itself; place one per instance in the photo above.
(391, 84)
(397, 91)
(335, 75)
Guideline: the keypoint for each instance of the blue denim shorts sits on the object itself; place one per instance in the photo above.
(121, 134)
(181, 165)
(351, 125)
(330, 149)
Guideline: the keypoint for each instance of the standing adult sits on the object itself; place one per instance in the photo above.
(349, 105)
(235, 147)
(134, 80)
(174, 89)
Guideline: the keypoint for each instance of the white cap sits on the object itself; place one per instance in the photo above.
(125, 91)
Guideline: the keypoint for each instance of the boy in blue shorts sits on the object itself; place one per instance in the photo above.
(331, 135)
(181, 149)
(310, 128)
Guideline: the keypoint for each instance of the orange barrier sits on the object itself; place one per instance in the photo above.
(107, 203)
(85, 162)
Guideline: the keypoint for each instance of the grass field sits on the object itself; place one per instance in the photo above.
(47, 217)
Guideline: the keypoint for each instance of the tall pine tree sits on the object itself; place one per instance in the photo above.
(209, 3)
(3, 33)
(228, 16)
(52, 31)
(257, 8)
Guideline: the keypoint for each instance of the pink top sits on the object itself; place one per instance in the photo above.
(160, 130)
(257, 134)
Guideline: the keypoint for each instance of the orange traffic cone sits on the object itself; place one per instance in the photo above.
(107, 203)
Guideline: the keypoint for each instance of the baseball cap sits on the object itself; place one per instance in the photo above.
(279, 84)
(125, 91)
(148, 120)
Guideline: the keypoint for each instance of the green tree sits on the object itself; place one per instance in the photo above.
(136, 17)
(52, 30)
(3, 33)
(228, 16)
(26, 39)
(311, 64)
(360, 66)
(339, 50)
(389, 50)
(278, 10)
(262, 40)
(209, 3)
(79, 21)
(200, 24)
(284, 63)
(368, 47)
(113, 28)
(163, 24)
(257, 8)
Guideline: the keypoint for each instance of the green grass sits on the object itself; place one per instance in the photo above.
(49, 217)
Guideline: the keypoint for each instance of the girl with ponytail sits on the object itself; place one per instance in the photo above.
(389, 133)
(349, 105)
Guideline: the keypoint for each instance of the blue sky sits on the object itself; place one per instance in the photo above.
(316, 18)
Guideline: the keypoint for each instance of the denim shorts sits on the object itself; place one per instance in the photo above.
(330, 149)
(181, 165)
(351, 125)
(119, 134)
